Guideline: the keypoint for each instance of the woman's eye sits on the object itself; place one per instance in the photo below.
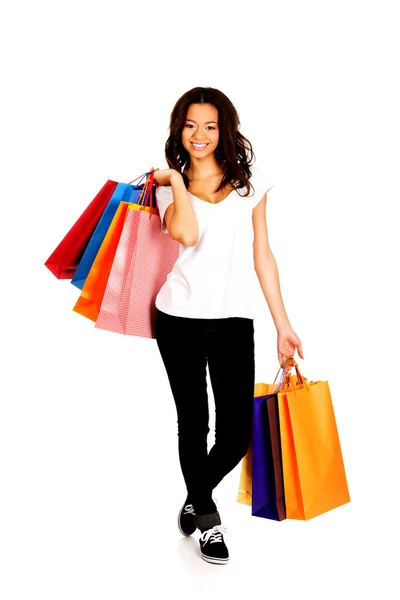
(189, 125)
(211, 127)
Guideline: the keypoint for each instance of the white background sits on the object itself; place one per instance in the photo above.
(89, 473)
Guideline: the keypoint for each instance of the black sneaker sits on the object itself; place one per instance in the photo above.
(212, 546)
(186, 522)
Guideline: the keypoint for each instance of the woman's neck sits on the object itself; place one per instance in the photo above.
(203, 169)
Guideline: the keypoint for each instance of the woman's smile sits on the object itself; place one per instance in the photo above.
(198, 146)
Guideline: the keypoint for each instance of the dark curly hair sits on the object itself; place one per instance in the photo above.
(234, 152)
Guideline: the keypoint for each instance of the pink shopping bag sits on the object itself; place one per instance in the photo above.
(143, 259)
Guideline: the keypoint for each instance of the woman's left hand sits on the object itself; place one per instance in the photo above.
(288, 343)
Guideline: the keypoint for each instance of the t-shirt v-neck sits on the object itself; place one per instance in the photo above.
(212, 203)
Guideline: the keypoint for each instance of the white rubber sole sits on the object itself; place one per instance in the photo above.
(214, 561)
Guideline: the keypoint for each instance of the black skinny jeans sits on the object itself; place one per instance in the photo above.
(227, 345)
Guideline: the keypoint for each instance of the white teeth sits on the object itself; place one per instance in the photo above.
(199, 146)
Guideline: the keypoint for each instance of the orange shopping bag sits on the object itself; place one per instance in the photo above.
(313, 469)
(89, 302)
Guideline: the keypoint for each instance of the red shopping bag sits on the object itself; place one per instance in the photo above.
(143, 259)
(64, 260)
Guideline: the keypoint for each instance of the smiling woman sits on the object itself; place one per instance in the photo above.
(212, 200)
(207, 116)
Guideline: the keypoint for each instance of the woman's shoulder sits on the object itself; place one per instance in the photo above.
(260, 178)
(163, 190)
(164, 196)
(260, 182)
(257, 172)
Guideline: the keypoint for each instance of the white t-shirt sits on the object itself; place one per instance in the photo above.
(216, 277)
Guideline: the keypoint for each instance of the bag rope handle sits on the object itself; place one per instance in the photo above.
(147, 193)
(140, 177)
(284, 380)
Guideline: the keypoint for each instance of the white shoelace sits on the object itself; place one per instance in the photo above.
(189, 510)
(214, 534)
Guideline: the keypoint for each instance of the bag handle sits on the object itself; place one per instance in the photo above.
(284, 380)
(140, 177)
(283, 366)
(147, 192)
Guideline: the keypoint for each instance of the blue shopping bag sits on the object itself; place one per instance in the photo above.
(124, 192)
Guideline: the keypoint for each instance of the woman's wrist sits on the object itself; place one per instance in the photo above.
(175, 176)
(283, 327)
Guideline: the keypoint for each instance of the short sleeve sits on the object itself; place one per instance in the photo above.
(261, 183)
(164, 198)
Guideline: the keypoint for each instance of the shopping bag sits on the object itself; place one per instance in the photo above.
(142, 262)
(313, 469)
(89, 302)
(244, 495)
(245, 482)
(282, 379)
(267, 481)
(64, 260)
(124, 192)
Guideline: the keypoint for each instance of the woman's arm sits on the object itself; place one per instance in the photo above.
(266, 268)
(267, 273)
(180, 218)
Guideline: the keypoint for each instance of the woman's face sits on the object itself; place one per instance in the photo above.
(200, 133)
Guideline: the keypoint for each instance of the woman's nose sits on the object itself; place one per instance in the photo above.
(198, 136)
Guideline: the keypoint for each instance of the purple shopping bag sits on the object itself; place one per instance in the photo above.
(267, 479)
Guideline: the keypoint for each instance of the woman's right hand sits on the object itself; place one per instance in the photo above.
(163, 176)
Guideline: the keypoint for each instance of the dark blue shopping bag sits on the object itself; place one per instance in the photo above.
(267, 476)
(124, 192)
